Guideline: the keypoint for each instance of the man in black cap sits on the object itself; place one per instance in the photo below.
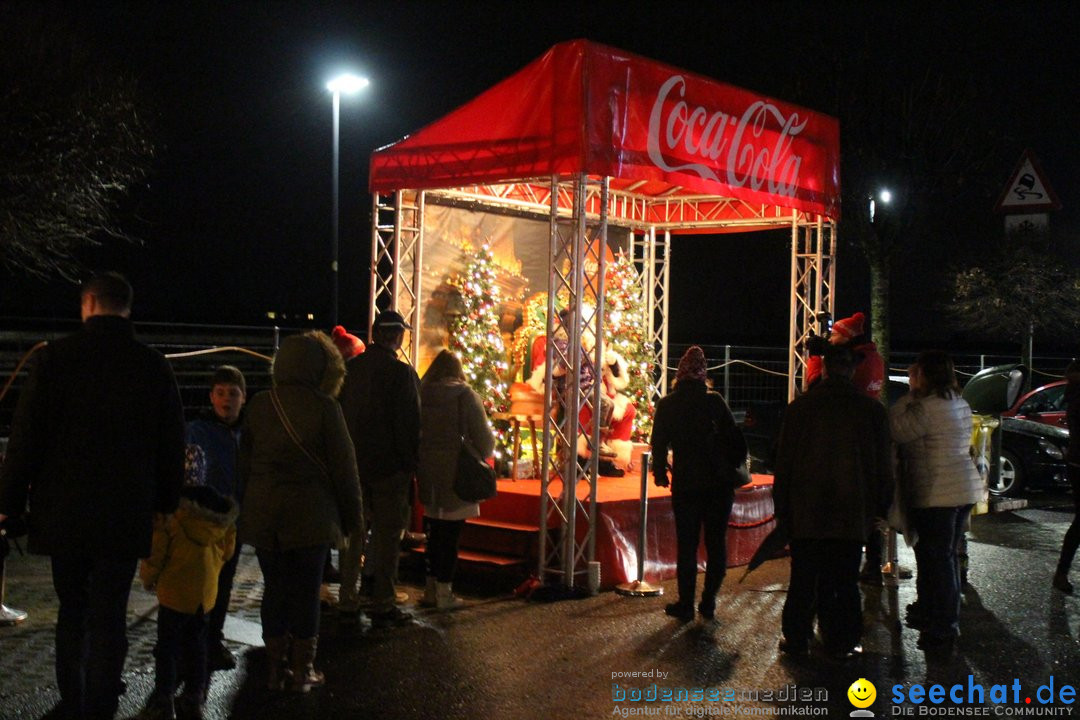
(381, 403)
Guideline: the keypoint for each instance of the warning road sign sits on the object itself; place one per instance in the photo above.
(1028, 190)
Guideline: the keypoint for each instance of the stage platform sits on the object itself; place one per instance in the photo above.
(618, 499)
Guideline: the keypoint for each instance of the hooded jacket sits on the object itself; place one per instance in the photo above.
(289, 501)
(189, 549)
(447, 406)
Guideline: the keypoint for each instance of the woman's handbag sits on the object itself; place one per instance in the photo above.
(474, 480)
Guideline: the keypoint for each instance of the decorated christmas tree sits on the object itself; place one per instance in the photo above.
(475, 337)
(626, 333)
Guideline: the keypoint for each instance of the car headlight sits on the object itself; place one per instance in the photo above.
(1051, 449)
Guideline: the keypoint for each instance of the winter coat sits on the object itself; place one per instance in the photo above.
(220, 444)
(289, 501)
(381, 403)
(97, 444)
(934, 435)
(189, 550)
(834, 463)
(684, 422)
(444, 406)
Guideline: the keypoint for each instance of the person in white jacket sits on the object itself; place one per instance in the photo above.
(932, 425)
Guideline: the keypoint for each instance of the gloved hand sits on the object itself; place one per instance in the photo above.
(661, 480)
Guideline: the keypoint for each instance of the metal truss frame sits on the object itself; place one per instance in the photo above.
(813, 278)
(397, 256)
(579, 210)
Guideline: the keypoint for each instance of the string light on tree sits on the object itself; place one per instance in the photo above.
(476, 339)
(627, 321)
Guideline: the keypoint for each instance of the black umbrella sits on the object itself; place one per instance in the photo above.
(770, 547)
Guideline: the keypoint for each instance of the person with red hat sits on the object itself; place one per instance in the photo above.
(349, 345)
(869, 368)
(349, 553)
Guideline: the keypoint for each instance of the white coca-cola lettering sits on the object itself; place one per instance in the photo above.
(698, 134)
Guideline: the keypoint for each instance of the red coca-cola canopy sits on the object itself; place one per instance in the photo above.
(652, 128)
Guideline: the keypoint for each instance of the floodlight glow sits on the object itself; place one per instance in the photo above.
(885, 196)
(347, 84)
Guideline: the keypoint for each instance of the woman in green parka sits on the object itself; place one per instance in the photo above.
(301, 496)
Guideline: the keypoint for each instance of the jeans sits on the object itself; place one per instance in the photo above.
(91, 631)
(180, 653)
(824, 581)
(1072, 535)
(693, 509)
(216, 618)
(442, 548)
(938, 580)
(389, 517)
(291, 580)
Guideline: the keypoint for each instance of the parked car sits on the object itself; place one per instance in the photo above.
(1044, 405)
(1032, 457)
(1033, 443)
(1031, 448)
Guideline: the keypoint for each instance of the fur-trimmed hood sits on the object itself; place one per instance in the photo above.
(204, 515)
(310, 360)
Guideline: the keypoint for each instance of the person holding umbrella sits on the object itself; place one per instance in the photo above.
(707, 447)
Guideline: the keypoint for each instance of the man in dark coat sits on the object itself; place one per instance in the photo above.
(381, 404)
(833, 477)
(697, 426)
(96, 449)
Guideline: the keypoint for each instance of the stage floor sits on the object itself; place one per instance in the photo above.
(618, 522)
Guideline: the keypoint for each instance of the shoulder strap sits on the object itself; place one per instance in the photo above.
(463, 428)
(293, 435)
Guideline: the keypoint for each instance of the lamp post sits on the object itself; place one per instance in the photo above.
(347, 84)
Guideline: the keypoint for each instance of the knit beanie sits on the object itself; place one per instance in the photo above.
(849, 328)
(348, 345)
(692, 365)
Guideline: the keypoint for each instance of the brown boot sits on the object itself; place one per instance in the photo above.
(277, 654)
(301, 663)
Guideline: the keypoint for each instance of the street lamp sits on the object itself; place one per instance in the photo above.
(884, 196)
(347, 84)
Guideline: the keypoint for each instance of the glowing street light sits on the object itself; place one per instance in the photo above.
(884, 196)
(346, 84)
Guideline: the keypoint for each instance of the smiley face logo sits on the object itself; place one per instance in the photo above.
(862, 693)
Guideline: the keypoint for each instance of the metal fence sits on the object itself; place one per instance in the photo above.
(193, 365)
(752, 374)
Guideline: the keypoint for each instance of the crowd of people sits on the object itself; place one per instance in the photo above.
(100, 454)
(101, 457)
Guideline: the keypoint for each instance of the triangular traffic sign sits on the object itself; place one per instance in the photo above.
(1028, 190)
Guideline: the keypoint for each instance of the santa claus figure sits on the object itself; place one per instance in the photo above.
(616, 410)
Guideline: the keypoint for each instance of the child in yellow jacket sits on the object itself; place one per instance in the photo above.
(189, 549)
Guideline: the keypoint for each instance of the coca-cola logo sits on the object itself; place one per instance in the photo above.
(754, 149)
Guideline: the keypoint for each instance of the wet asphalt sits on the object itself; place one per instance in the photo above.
(504, 657)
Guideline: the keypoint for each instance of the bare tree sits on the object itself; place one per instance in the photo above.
(72, 144)
(1019, 290)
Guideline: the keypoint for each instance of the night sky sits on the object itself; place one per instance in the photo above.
(236, 213)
